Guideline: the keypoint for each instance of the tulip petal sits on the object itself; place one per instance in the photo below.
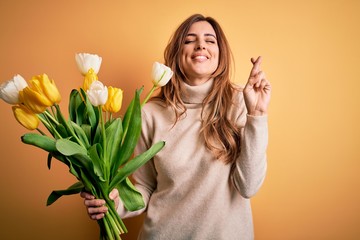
(9, 90)
(86, 61)
(97, 93)
(25, 117)
(161, 74)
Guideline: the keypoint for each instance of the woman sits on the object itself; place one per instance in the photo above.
(199, 185)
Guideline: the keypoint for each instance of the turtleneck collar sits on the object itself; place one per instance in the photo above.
(196, 94)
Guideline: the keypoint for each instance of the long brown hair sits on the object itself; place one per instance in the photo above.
(221, 134)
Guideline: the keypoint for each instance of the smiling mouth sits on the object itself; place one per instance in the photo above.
(200, 57)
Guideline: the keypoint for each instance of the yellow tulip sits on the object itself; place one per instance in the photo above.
(25, 117)
(90, 77)
(114, 101)
(40, 94)
(49, 88)
(33, 100)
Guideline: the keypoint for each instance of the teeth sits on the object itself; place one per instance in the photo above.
(200, 57)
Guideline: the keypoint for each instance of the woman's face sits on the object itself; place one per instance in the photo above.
(200, 53)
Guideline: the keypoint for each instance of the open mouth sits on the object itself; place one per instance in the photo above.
(199, 57)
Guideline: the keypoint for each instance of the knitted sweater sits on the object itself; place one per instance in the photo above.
(189, 194)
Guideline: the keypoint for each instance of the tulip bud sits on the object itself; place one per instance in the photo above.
(40, 94)
(86, 61)
(97, 93)
(25, 117)
(114, 101)
(161, 74)
(9, 91)
(49, 88)
(33, 100)
(90, 77)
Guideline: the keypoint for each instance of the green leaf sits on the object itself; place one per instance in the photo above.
(89, 110)
(132, 165)
(87, 183)
(62, 130)
(73, 169)
(98, 163)
(97, 135)
(81, 134)
(69, 148)
(61, 118)
(85, 165)
(81, 114)
(97, 113)
(129, 111)
(87, 130)
(132, 134)
(64, 122)
(74, 102)
(113, 139)
(109, 122)
(130, 196)
(73, 189)
(44, 142)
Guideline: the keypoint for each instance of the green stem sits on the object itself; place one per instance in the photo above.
(103, 133)
(107, 229)
(47, 125)
(106, 116)
(47, 122)
(41, 132)
(120, 224)
(115, 229)
(53, 112)
(51, 117)
(111, 205)
(149, 95)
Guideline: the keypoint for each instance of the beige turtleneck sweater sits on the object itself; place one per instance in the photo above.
(190, 195)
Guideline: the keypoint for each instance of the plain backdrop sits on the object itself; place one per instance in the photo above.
(310, 52)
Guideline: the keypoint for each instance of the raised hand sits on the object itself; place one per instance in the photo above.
(257, 90)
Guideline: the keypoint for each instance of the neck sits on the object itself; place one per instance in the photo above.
(196, 93)
(196, 81)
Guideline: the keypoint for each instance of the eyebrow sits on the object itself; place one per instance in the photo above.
(206, 35)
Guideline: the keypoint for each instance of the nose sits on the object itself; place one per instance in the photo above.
(199, 45)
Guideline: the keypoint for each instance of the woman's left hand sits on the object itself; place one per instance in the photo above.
(257, 90)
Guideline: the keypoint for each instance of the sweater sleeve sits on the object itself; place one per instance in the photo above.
(250, 168)
(145, 176)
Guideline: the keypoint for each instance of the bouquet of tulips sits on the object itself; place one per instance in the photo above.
(97, 148)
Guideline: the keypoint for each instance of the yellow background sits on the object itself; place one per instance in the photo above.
(311, 56)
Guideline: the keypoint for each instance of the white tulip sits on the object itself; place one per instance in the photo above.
(161, 74)
(85, 61)
(9, 91)
(97, 93)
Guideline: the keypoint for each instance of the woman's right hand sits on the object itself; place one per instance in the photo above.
(96, 208)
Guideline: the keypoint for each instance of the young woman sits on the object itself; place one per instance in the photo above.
(199, 186)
